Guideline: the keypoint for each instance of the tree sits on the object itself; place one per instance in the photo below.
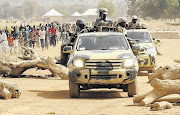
(7, 8)
(133, 7)
(157, 9)
(109, 5)
(19, 13)
(172, 9)
(30, 8)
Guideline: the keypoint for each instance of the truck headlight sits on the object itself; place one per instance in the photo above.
(129, 62)
(151, 51)
(78, 63)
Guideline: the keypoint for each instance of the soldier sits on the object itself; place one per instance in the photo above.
(139, 25)
(102, 21)
(133, 24)
(80, 28)
(144, 26)
(121, 25)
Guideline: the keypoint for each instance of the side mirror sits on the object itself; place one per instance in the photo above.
(136, 47)
(156, 41)
(67, 49)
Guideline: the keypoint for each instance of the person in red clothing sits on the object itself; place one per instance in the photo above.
(10, 40)
(53, 34)
(50, 35)
(36, 33)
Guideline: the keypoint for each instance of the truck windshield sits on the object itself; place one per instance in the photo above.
(142, 37)
(102, 43)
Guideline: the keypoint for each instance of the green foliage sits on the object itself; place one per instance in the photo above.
(30, 8)
(109, 5)
(168, 9)
(133, 7)
(172, 9)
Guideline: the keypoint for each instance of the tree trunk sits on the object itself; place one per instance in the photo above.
(4, 93)
(158, 73)
(172, 74)
(12, 88)
(31, 60)
(161, 105)
(177, 60)
(160, 88)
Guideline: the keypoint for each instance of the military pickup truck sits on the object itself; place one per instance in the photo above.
(102, 60)
(148, 51)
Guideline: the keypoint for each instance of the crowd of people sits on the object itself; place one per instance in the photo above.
(43, 35)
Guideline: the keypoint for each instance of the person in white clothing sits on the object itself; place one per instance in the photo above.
(42, 34)
(4, 43)
(64, 37)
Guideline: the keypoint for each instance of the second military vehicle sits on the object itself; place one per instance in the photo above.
(148, 51)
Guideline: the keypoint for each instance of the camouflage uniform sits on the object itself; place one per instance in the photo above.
(121, 25)
(102, 23)
(80, 28)
(133, 24)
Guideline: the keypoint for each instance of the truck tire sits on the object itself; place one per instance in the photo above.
(74, 90)
(132, 88)
(125, 88)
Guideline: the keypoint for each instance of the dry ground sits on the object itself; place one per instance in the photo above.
(153, 25)
(159, 25)
(51, 96)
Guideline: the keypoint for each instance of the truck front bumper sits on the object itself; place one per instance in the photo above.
(149, 62)
(91, 76)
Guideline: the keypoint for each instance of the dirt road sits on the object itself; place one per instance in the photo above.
(51, 96)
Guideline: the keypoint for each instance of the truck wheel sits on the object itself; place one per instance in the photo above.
(132, 88)
(74, 90)
(125, 88)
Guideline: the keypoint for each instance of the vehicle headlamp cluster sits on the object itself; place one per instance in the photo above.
(78, 63)
(151, 51)
(129, 63)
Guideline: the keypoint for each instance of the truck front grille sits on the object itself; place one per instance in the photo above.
(103, 64)
(103, 76)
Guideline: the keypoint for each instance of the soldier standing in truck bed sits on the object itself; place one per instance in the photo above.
(80, 28)
(121, 25)
(133, 24)
(102, 21)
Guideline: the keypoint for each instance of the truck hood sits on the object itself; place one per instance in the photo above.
(150, 48)
(147, 45)
(104, 54)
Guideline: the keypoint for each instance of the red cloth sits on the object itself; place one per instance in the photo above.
(10, 40)
(50, 30)
(53, 31)
(37, 33)
(34, 29)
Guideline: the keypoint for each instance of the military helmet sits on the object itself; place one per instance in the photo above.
(134, 17)
(80, 21)
(103, 10)
(139, 25)
(144, 26)
(122, 19)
